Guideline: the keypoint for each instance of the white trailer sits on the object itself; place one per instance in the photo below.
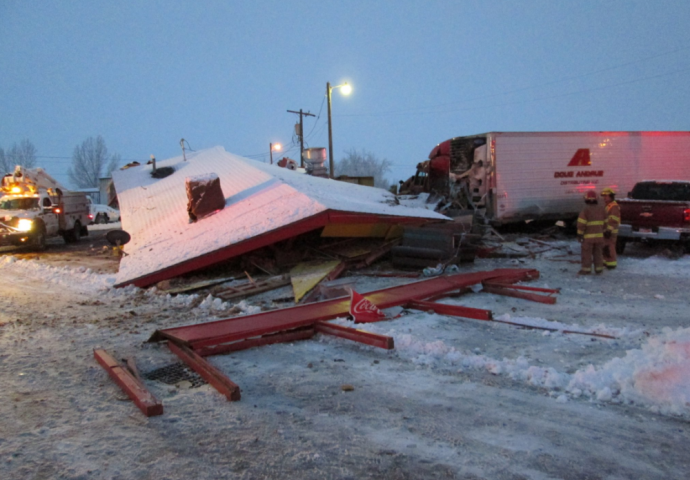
(517, 176)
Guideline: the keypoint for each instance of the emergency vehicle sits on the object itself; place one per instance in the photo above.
(508, 177)
(34, 207)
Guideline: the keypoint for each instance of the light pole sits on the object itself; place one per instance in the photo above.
(276, 147)
(345, 89)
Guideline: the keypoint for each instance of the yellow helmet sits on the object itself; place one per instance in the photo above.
(607, 191)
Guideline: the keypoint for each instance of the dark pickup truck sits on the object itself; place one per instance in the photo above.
(657, 210)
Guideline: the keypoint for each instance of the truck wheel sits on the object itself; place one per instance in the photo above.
(76, 232)
(39, 240)
(620, 245)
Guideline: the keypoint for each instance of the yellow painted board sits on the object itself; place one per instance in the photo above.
(306, 276)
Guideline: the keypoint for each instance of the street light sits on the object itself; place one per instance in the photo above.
(277, 147)
(345, 89)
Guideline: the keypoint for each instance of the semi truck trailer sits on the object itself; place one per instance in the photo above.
(509, 177)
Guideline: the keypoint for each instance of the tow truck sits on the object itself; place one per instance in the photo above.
(34, 207)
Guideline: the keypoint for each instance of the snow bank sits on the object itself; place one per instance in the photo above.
(83, 279)
(655, 375)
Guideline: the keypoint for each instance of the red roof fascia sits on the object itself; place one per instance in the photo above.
(269, 238)
(336, 217)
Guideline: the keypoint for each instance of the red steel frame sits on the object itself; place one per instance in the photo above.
(207, 371)
(519, 291)
(192, 342)
(147, 403)
(369, 338)
(454, 310)
(240, 328)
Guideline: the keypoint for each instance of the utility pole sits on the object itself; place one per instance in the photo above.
(301, 133)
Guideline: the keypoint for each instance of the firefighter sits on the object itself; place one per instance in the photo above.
(613, 220)
(590, 233)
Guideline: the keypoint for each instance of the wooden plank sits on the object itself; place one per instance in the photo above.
(281, 337)
(207, 371)
(368, 338)
(252, 288)
(142, 398)
(197, 285)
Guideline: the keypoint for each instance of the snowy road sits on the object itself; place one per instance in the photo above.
(455, 399)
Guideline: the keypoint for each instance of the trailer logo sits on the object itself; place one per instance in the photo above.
(581, 158)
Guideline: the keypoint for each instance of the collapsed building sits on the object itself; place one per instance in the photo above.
(194, 211)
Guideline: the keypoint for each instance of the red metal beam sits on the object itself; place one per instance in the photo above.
(240, 328)
(512, 291)
(147, 403)
(522, 287)
(207, 371)
(454, 310)
(369, 338)
(281, 337)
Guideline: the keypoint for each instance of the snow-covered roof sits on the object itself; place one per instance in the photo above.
(261, 200)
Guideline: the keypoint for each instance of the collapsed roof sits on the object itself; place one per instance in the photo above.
(264, 204)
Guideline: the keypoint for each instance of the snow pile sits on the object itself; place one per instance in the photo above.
(655, 375)
(83, 279)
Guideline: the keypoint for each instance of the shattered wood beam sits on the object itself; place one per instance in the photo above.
(147, 403)
(248, 326)
(368, 338)
(281, 337)
(454, 310)
(207, 371)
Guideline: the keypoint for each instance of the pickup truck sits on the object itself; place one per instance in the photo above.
(656, 211)
(102, 213)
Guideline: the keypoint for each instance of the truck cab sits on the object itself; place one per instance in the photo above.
(34, 207)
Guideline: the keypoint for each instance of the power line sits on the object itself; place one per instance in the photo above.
(433, 109)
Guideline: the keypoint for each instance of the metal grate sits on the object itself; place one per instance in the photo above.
(174, 374)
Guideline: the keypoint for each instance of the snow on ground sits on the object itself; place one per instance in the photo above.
(457, 398)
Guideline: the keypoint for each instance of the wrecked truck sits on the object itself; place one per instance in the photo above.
(509, 177)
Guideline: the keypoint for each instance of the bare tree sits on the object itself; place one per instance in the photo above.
(88, 161)
(23, 153)
(113, 164)
(364, 164)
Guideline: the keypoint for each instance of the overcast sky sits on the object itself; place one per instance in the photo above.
(146, 74)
